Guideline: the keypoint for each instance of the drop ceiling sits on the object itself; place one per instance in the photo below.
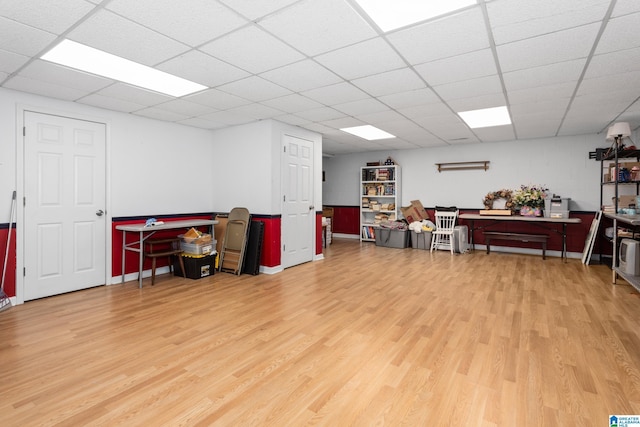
(562, 67)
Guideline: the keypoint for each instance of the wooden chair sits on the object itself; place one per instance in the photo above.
(442, 236)
(163, 248)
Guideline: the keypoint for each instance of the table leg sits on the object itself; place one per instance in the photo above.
(140, 259)
(124, 246)
(564, 242)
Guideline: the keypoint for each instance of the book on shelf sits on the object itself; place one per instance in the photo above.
(368, 232)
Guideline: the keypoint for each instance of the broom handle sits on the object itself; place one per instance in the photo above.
(6, 252)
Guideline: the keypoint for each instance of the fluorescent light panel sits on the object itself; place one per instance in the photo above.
(94, 61)
(368, 132)
(389, 15)
(486, 117)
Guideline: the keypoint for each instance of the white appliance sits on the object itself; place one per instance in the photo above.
(460, 239)
(629, 257)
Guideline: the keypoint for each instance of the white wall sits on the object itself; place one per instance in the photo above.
(247, 166)
(562, 164)
(155, 167)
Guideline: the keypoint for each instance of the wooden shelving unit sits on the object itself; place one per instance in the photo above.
(379, 198)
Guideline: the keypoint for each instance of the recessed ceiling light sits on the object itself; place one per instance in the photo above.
(368, 132)
(486, 117)
(94, 61)
(389, 15)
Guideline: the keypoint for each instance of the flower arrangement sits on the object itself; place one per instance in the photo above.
(530, 195)
(501, 194)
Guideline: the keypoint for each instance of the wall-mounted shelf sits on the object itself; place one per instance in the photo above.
(456, 166)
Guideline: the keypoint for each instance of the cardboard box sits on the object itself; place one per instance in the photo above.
(414, 212)
(625, 201)
(421, 240)
(391, 238)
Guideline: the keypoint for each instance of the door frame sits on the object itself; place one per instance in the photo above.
(21, 110)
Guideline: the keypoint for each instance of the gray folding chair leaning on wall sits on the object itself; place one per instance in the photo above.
(235, 241)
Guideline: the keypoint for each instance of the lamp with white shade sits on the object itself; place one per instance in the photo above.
(618, 131)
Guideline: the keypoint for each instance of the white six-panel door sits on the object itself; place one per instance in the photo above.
(298, 211)
(64, 202)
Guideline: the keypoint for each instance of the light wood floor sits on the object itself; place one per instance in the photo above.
(368, 336)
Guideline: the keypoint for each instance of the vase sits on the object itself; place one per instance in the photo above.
(530, 211)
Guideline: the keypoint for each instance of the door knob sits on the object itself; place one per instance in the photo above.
(99, 212)
(311, 207)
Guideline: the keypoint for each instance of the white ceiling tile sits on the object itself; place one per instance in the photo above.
(317, 127)
(624, 7)
(546, 75)
(114, 34)
(451, 36)
(539, 125)
(343, 122)
(257, 111)
(10, 62)
(612, 63)
(252, 49)
(201, 123)
(22, 39)
(448, 127)
(401, 80)
(495, 133)
(320, 114)
(63, 76)
(567, 45)
(315, 27)
(621, 33)
(186, 108)
(301, 76)
(397, 144)
(410, 98)
(53, 16)
(257, 9)
(520, 19)
(43, 88)
(192, 22)
(583, 123)
(217, 99)
(462, 67)
(619, 86)
(362, 106)
(202, 68)
(550, 107)
(427, 110)
(255, 89)
(362, 59)
(110, 103)
(560, 91)
(292, 120)
(380, 117)
(134, 94)
(227, 118)
(292, 103)
(469, 88)
(335, 94)
(404, 128)
(478, 102)
(159, 114)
